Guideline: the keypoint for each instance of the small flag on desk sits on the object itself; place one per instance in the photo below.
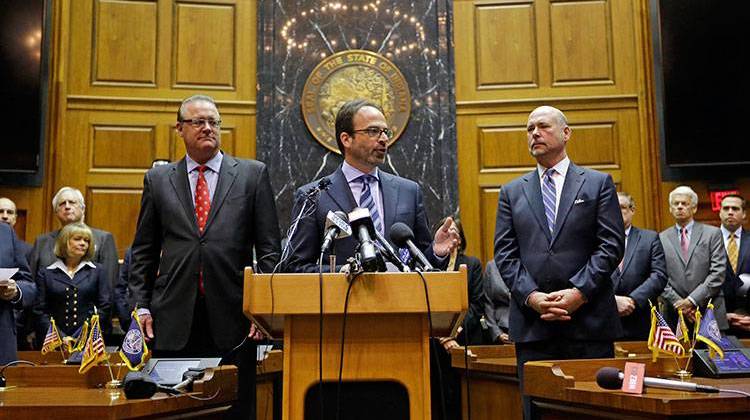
(708, 331)
(76, 341)
(134, 351)
(661, 338)
(682, 329)
(93, 352)
(52, 340)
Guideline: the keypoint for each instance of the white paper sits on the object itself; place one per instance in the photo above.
(7, 273)
(263, 352)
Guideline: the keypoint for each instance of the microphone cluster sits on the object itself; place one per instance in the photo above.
(373, 248)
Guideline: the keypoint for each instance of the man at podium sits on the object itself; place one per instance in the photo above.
(362, 135)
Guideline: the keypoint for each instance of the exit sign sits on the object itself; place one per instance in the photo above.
(717, 196)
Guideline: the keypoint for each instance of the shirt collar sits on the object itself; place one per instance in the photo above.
(351, 173)
(213, 164)
(561, 167)
(627, 231)
(689, 227)
(60, 265)
(725, 232)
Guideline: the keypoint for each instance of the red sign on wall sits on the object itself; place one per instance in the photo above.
(717, 196)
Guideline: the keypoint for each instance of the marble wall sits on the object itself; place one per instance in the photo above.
(425, 152)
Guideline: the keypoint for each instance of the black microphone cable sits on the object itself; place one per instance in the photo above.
(436, 355)
(9, 364)
(343, 336)
(320, 334)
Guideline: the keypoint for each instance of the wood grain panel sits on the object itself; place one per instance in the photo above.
(125, 42)
(581, 42)
(594, 144)
(116, 211)
(503, 147)
(506, 46)
(204, 57)
(123, 147)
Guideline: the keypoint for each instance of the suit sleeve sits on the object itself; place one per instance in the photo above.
(711, 286)
(120, 292)
(22, 276)
(146, 248)
(109, 259)
(610, 234)
(657, 279)
(507, 253)
(267, 239)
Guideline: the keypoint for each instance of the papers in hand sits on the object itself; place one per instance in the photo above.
(262, 353)
(743, 288)
(6, 274)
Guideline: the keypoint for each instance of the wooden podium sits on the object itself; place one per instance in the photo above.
(387, 331)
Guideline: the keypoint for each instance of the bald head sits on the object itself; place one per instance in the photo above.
(8, 211)
(547, 134)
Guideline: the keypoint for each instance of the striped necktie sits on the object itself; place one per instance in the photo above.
(549, 196)
(732, 251)
(367, 200)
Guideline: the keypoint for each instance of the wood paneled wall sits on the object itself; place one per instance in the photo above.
(121, 67)
(584, 57)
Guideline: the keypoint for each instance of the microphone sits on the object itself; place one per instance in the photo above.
(390, 253)
(139, 385)
(361, 222)
(611, 378)
(403, 237)
(322, 185)
(337, 227)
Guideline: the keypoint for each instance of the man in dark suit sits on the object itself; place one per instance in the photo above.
(199, 222)
(641, 275)
(558, 238)
(362, 134)
(9, 215)
(696, 262)
(15, 293)
(737, 245)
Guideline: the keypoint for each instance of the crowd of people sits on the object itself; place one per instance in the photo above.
(570, 272)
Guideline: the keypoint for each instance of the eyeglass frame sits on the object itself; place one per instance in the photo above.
(371, 133)
(200, 122)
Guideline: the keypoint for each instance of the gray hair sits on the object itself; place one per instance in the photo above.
(194, 98)
(58, 196)
(684, 190)
(631, 201)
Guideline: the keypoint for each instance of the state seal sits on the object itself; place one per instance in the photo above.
(354, 74)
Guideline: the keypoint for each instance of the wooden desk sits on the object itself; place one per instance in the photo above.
(268, 380)
(567, 390)
(58, 391)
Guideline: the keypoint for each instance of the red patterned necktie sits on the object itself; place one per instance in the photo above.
(684, 243)
(202, 207)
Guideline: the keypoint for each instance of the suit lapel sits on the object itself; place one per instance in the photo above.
(532, 189)
(179, 179)
(227, 177)
(389, 189)
(633, 238)
(340, 192)
(695, 236)
(573, 182)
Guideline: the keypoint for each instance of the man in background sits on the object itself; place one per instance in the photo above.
(641, 275)
(737, 245)
(696, 262)
(9, 215)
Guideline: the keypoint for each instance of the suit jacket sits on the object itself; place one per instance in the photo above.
(642, 278)
(701, 276)
(497, 306)
(105, 253)
(169, 251)
(12, 256)
(582, 251)
(732, 281)
(402, 202)
(71, 301)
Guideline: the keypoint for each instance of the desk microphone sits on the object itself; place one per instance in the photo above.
(611, 378)
(139, 385)
(361, 223)
(337, 227)
(403, 237)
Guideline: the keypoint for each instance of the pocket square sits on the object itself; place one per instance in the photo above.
(578, 201)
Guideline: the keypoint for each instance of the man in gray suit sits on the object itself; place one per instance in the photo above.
(696, 261)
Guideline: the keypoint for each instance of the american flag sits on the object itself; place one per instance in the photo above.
(52, 339)
(94, 352)
(661, 338)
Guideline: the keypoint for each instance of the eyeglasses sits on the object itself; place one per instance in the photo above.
(199, 123)
(375, 132)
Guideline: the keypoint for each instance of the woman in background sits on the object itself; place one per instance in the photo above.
(69, 288)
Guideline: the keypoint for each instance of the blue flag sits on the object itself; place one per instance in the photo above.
(708, 332)
(134, 351)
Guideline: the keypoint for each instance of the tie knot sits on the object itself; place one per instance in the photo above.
(549, 172)
(202, 168)
(367, 179)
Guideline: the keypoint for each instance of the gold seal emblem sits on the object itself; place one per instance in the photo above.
(350, 75)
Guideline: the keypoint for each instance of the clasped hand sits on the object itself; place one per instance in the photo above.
(8, 289)
(558, 305)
